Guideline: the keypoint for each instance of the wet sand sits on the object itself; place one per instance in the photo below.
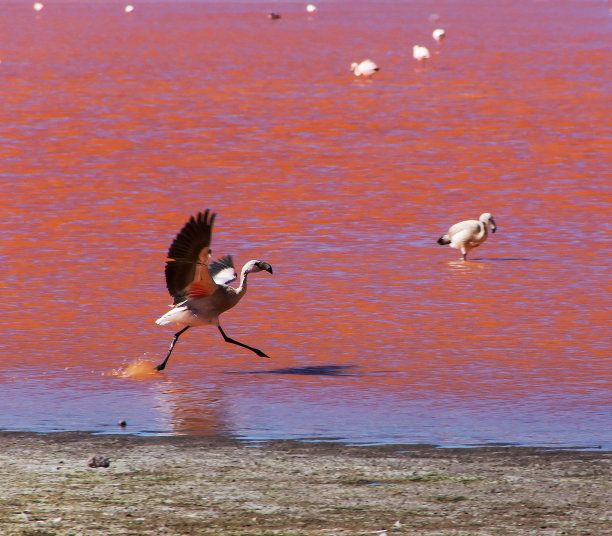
(186, 485)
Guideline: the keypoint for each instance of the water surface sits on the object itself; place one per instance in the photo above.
(114, 133)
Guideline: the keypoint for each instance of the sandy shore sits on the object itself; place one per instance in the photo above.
(192, 486)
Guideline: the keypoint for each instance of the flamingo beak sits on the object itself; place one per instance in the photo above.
(264, 266)
(493, 226)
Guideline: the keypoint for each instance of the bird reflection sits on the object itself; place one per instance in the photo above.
(466, 267)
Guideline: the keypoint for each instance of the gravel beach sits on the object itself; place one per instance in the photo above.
(192, 486)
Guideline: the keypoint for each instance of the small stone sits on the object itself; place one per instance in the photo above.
(98, 461)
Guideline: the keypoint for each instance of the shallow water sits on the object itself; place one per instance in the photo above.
(114, 133)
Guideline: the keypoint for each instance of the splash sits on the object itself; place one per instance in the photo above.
(139, 370)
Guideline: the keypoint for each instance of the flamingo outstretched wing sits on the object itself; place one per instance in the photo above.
(189, 256)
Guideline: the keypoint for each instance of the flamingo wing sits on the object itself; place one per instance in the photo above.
(188, 258)
(466, 227)
(223, 271)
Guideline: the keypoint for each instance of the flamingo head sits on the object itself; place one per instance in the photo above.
(487, 217)
(256, 266)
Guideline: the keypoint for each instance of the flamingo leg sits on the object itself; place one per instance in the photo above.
(162, 365)
(228, 339)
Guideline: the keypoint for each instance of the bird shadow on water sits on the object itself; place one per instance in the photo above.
(502, 259)
(309, 370)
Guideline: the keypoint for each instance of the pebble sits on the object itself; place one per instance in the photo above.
(98, 461)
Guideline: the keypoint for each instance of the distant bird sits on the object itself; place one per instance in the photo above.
(468, 234)
(129, 8)
(274, 16)
(420, 53)
(38, 6)
(311, 8)
(364, 68)
(438, 34)
(201, 289)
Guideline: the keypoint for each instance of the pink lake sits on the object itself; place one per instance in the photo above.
(115, 132)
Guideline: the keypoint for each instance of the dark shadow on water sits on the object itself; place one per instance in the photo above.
(310, 370)
(491, 259)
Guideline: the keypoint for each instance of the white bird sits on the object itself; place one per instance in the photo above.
(311, 8)
(38, 6)
(420, 53)
(129, 8)
(438, 34)
(364, 68)
(201, 289)
(468, 234)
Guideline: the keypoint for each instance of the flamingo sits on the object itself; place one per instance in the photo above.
(365, 68)
(420, 53)
(201, 290)
(468, 234)
(438, 34)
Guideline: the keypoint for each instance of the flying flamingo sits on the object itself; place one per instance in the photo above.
(201, 289)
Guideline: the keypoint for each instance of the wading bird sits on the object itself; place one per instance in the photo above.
(364, 68)
(201, 290)
(468, 234)
(438, 34)
(420, 53)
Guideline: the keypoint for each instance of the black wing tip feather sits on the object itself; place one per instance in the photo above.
(207, 217)
(201, 219)
(194, 235)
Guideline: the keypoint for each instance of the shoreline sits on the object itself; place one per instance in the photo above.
(202, 485)
(65, 435)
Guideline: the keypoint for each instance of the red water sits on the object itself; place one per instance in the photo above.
(117, 127)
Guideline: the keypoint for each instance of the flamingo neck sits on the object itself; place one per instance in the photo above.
(485, 228)
(241, 290)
